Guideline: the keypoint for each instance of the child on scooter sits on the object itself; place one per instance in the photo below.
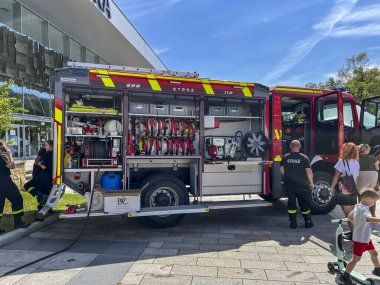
(361, 218)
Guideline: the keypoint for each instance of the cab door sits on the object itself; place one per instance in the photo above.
(370, 123)
(328, 131)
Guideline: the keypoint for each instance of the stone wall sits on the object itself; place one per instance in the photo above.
(18, 174)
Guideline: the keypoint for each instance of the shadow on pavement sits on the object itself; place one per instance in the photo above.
(238, 243)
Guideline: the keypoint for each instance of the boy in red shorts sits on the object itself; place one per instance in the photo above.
(361, 217)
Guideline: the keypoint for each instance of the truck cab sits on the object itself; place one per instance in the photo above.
(322, 120)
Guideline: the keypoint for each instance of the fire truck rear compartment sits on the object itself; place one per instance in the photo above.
(166, 150)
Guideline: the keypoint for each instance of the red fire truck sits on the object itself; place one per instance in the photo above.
(163, 144)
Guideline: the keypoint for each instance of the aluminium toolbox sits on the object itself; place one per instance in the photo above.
(159, 109)
(122, 201)
(234, 111)
(216, 111)
(139, 108)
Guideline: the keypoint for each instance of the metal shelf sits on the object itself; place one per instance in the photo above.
(162, 116)
(74, 170)
(163, 156)
(92, 113)
(236, 117)
(94, 136)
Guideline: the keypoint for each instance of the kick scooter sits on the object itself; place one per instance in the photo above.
(340, 265)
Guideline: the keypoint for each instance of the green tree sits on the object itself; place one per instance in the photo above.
(358, 75)
(8, 106)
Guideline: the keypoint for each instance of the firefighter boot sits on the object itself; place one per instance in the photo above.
(18, 223)
(293, 220)
(308, 221)
(1, 230)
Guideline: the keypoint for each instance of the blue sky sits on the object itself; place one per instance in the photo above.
(273, 42)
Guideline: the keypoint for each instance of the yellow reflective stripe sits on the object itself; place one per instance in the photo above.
(1, 215)
(297, 90)
(207, 87)
(305, 213)
(58, 115)
(245, 89)
(153, 82)
(277, 158)
(59, 149)
(277, 134)
(292, 211)
(107, 81)
(119, 73)
(247, 92)
(29, 189)
(18, 212)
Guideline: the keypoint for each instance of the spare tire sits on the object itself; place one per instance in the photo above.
(254, 144)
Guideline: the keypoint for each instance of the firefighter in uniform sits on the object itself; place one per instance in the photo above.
(8, 188)
(41, 184)
(298, 179)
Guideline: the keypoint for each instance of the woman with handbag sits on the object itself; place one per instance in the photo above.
(369, 167)
(343, 186)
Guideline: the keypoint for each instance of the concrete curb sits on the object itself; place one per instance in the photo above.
(19, 233)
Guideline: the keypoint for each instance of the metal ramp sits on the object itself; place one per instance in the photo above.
(203, 207)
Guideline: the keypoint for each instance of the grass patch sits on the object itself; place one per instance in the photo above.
(30, 208)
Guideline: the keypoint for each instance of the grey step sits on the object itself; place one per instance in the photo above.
(236, 204)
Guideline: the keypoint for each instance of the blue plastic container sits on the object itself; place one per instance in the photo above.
(111, 181)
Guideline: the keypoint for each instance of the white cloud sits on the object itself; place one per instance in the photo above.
(303, 47)
(366, 13)
(161, 50)
(137, 8)
(373, 48)
(356, 31)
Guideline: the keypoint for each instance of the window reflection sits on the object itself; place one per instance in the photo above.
(34, 26)
(10, 14)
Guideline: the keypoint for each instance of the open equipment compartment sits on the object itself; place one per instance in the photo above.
(93, 132)
(163, 137)
(234, 146)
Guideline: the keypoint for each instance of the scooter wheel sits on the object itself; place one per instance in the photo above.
(371, 281)
(331, 267)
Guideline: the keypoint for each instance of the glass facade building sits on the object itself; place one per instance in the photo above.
(35, 125)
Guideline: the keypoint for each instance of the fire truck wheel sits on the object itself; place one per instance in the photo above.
(321, 198)
(163, 192)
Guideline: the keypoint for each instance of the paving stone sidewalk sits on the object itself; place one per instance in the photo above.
(240, 246)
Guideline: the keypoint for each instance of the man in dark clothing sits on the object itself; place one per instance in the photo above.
(36, 168)
(8, 188)
(298, 180)
(41, 184)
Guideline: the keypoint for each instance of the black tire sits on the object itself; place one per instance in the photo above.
(268, 198)
(321, 201)
(371, 281)
(331, 267)
(163, 191)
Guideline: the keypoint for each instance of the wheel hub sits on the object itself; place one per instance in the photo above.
(164, 196)
(321, 193)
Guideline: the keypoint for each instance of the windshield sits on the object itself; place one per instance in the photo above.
(369, 120)
(330, 113)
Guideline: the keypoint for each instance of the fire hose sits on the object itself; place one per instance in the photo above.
(71, 244)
